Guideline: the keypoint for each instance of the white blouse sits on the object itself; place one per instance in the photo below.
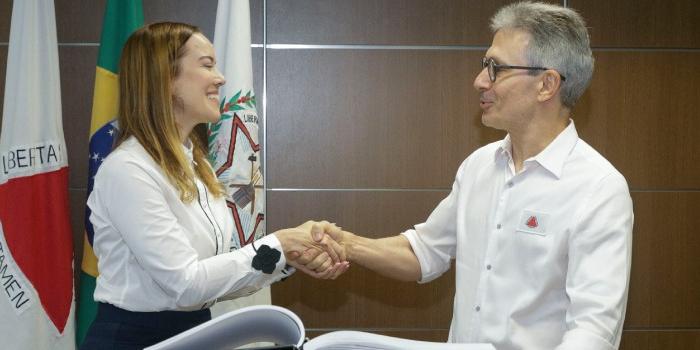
(157, 253)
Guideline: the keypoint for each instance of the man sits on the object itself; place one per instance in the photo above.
(540, 224)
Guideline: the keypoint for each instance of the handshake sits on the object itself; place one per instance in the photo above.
(316, 248)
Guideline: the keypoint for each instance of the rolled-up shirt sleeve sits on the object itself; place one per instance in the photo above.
(434, 241)
(600, 255)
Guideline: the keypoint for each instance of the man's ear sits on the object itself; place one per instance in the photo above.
(549, 85)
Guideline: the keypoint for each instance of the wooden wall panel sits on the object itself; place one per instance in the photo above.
(371, 118)
(370, 213)
(5, 19)
(256, 22)
(3, 70)
(361, 298)
(200, 13)
(660, 339)
(639, 113)
(396, 22)
(5, 13)
(77, 68)
(665, 280)
(76, 198)
(636, 24)
(79, 21)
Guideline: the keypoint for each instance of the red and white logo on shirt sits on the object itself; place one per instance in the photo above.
(533, 222)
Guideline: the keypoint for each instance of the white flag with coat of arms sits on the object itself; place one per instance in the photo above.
(234, 149)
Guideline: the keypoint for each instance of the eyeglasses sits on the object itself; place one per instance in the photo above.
(494, 68)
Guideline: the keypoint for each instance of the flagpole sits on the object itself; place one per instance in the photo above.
(264, 103)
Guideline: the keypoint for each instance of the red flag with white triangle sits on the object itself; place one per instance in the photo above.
(36, 246)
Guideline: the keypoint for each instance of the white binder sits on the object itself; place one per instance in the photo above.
(284, 329)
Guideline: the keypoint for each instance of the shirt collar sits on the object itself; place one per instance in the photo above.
(504, 148)
(554, 155)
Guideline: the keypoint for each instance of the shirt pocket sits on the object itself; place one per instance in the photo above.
(534, 245)
(533, 222)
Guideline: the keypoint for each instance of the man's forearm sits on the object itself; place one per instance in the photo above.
(392, 256)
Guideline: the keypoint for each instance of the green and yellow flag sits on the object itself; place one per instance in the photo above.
(121, 18)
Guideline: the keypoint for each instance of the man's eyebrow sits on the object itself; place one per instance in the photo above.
(495, 58)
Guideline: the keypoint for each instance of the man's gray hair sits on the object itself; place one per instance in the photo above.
(559, 40)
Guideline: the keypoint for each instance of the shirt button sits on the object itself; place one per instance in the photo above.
(510, 184)
(477, 308)
(488, 267)
(498, 226)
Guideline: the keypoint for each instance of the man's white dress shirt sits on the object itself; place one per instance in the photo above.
(158, 253)
(543, 256)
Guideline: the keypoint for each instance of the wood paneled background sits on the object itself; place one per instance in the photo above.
(370, 109)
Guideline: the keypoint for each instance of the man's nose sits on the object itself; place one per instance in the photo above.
(482, 80)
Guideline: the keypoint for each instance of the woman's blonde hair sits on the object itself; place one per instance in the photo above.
(149, 62)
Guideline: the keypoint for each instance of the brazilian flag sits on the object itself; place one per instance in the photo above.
(121, 18)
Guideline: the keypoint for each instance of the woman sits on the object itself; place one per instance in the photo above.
(162, 227)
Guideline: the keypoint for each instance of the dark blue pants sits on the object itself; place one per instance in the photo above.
(116, 328)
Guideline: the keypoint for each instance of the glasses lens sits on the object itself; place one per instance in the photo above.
(488, 63)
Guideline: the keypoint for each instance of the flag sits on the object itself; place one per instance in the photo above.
(36, 243)
(234, 150)
(121, 18)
